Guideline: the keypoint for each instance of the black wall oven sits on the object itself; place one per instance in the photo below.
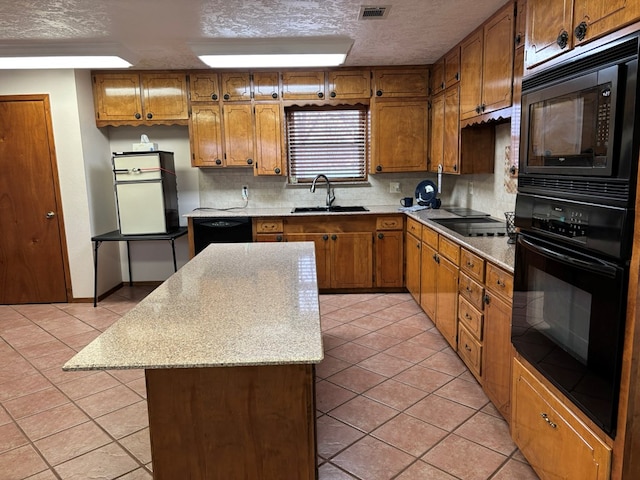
(575, 213)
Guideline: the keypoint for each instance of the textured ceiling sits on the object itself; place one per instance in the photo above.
(158, 31)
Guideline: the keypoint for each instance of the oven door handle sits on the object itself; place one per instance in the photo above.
(599, 267)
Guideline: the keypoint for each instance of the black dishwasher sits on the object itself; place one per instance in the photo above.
(208, 230)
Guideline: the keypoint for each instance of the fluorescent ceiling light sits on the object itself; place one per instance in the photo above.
(78, 62)
(275, 52)
(52, 56)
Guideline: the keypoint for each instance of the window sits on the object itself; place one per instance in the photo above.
(328, 140)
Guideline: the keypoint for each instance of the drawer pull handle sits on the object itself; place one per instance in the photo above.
(467, 316)
(546, 419)
(467, 347)
(470, 264)
(468, 289)
(501, 283)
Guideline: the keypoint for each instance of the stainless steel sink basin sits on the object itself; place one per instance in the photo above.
(333, 208)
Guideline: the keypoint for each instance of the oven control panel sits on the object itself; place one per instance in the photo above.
(562, 220)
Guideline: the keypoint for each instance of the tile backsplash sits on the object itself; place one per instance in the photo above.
(222, 188)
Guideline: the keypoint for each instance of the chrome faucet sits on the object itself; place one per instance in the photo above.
(330, 196)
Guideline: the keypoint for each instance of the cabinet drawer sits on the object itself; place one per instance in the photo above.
(389, 223)
(414, 227)
(269, 225)
(430, 237)
(499, 282)
(471, 291)
(449, 249)
(472, 264)
(470, 350)
(471, 317)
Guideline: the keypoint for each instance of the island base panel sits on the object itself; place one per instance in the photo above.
(252, 422)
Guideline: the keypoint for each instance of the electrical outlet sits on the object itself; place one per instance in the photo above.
(245, 192)
(394, 187)
(470, 188)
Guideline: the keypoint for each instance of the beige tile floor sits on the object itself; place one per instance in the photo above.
(393, 400)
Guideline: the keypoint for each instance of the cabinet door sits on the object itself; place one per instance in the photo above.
(389, 258)
(164, 96)
(235, 86)
(206, 136)
(323, 266)
(437, 77)
(391, 83)
(447, 301)
(548, 23)
(451, 134)
(204, 87)
(452, 67)
(497, 353)
(412, 266)
(351, 260)
(238, 135)
(471, 75)
(117, 97)
(556, 443)
(437, 133)
(303, 85)
(399, 139)
(349, 84)
(268, 139)
(429, 281)
(497, 64)
(266, 86)
(601, 17)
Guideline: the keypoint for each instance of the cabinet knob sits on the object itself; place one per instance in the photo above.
(581, 31)
(378, 93)
(477, 108)
(274, 95)
(138, 116)
(226, 96)
(277, 171)
(279, 238)
(457, 76)
(333, 94)
(563, 39)
(487, 299)
(218, 161)
(379, 168)
(320, 95)
(249, 161)
(483, 107)
(518, 39)
(442, 86)
(149, 116)
(381, 236)
(214, 96)
(455, 168)
(325, 237)
(334, 237)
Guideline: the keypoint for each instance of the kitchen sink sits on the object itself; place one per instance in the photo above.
(333, 208)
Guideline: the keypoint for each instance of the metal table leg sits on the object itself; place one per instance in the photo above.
(173, 250)
(96, 245)
(129, 265)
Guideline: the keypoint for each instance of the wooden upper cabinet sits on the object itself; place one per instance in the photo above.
(140, 98)
(451, 134)
(205, 135)
(303, 85)
(204, 87)
(235, 86)
(345, 84)
(266, 86)
(399, 136)
(486, 59)
(452, 67)
(555, 27)
(238, 135)
(268, 144)
(406, 82)
(521, 23)
(437, 77)
(548, 26)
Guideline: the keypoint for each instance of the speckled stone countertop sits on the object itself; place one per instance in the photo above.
(494, 249)
(232, 305)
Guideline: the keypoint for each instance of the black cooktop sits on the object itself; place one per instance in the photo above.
(475, 226)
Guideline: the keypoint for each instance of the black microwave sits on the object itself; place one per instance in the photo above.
(578, 127)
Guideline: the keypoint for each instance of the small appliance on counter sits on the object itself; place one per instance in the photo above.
(426, 194)
(146, 192)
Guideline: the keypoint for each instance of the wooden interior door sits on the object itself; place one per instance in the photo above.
(33, 261)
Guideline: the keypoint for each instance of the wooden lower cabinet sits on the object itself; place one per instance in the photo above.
(389, 246)
(497, 353)
(447, 301)
(554, 441)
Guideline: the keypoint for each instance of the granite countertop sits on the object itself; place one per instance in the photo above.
(232, 305)
(494, 249)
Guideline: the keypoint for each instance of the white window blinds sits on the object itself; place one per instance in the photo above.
(329, 141)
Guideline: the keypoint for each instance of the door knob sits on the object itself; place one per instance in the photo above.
(50, 214)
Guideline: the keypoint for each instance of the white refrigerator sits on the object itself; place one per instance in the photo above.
(146, 192)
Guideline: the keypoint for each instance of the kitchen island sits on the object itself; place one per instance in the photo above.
(228, 344)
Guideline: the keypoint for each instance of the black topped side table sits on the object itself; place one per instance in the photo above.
(116, 236)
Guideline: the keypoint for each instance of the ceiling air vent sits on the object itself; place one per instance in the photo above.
(368, 12)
